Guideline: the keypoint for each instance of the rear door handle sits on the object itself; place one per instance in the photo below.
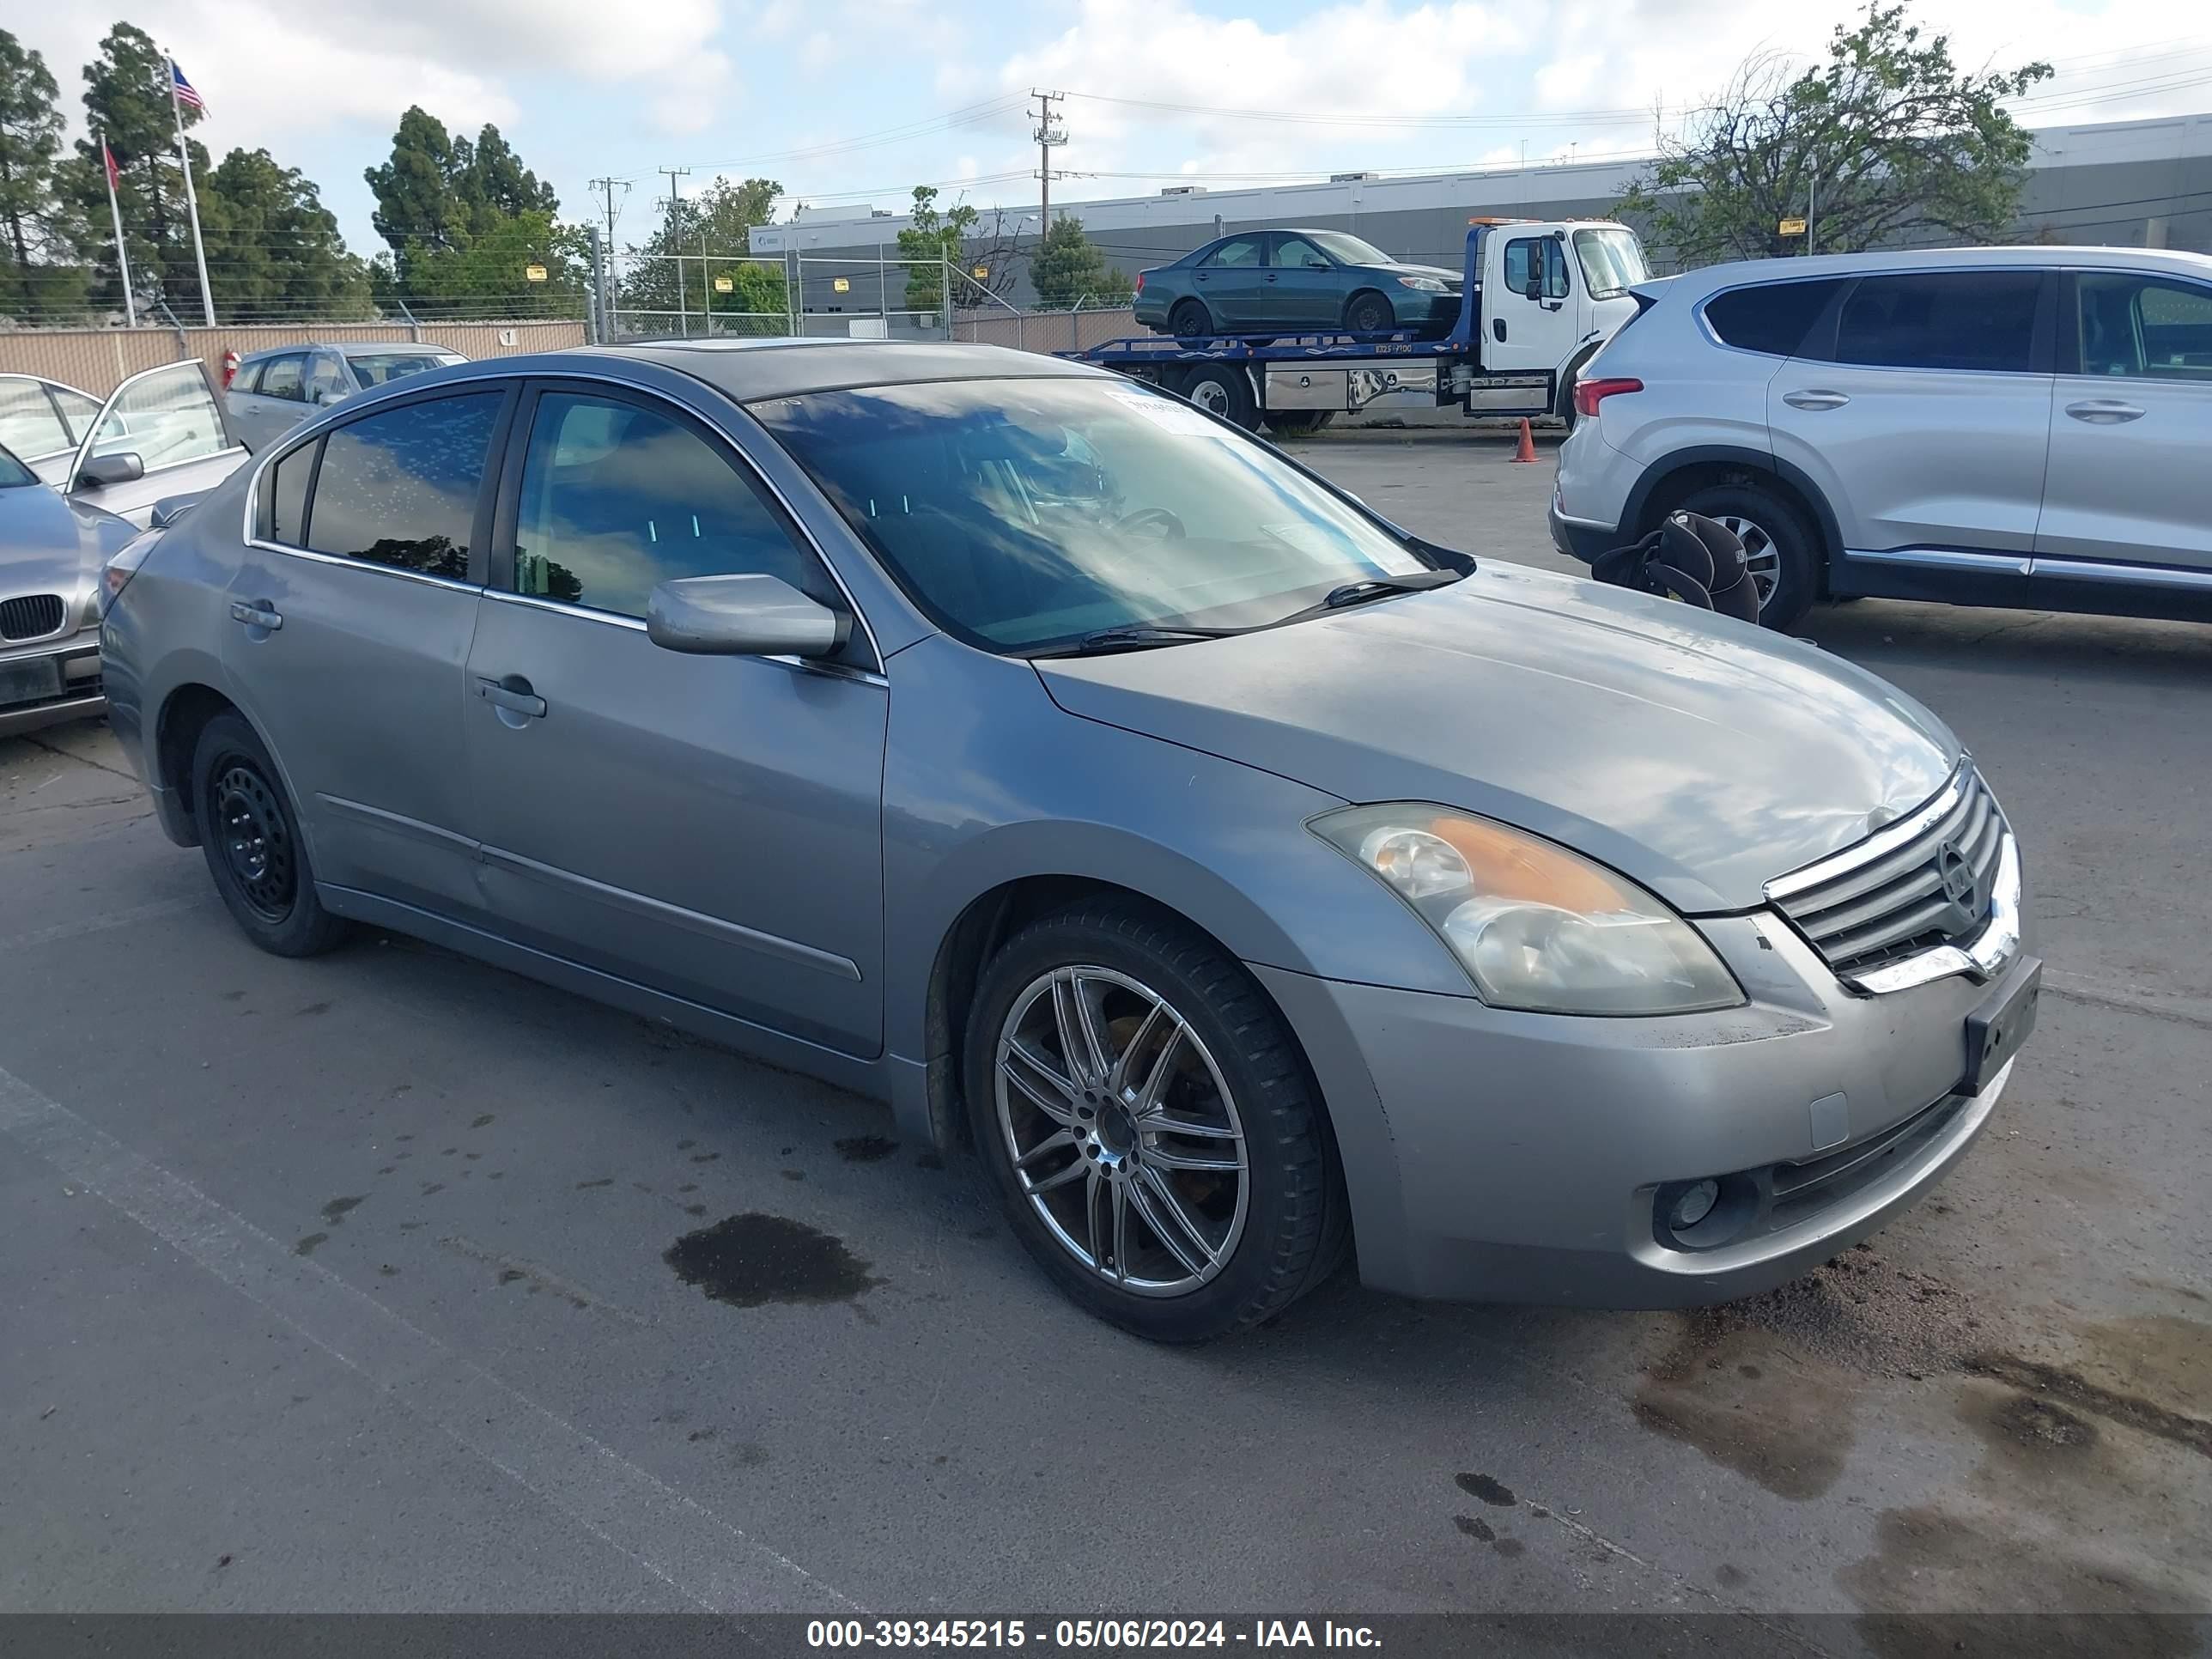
(2104, 411)
(517, 699)
(1811, 398)
(258, 614)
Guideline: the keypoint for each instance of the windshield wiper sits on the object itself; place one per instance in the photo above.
(1136, 636)
(1376, 588)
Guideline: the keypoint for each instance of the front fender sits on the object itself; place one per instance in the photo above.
(972, 804)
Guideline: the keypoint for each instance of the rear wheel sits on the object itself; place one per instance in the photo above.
(1368, 314)
(1190, 320)
(1149, 1124)
(252, 840)
(1780, 549)
(1225, 390)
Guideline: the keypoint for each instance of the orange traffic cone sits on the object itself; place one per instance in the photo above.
(1527, 451)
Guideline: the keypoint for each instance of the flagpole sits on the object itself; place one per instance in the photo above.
(115, 212)
(191, 202)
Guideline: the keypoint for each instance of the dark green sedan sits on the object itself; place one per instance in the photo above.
(1257, 279)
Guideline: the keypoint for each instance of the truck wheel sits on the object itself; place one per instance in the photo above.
(1368, 314)
(1781, 550)
(1190, 320)
(1225, 390)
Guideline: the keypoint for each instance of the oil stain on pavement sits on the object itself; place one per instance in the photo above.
(751, 1260)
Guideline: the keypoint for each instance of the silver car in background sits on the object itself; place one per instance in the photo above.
(1244, 876)
(2006, 426)
(273, 391)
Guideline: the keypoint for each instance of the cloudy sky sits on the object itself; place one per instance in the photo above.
(856, 101)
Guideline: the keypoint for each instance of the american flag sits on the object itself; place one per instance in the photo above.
(186, 94)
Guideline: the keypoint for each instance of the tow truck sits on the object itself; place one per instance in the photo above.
(1536, 301)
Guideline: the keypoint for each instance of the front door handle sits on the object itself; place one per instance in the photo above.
(258, 613)
(513, 696)
(1813, 398)
(2104, 411)
(1498, 328)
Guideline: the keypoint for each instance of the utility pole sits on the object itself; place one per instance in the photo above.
(682, 311)
(607, 293)
(1812, 209)
(1051, 134)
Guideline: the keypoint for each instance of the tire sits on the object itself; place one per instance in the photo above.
(1782, 547)
(1261, 1237)
(1190, 320)
(1225, 390)
(1566, 408)
(1368, 314)
(1298, 422)
(251, 836)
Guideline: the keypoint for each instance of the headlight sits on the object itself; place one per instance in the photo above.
(1536, 927)
(1421, 284)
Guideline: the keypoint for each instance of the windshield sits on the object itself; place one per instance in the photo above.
(1612, 260)
(1346, 249)
(1025, 515)
(395, 365)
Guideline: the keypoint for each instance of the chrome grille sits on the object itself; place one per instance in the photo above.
(32, 618)
(1887, 899)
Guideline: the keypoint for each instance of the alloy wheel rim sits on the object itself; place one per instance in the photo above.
(1122, 1132)
(256, 845)
(1762, 560)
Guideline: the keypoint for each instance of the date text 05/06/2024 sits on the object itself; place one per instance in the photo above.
(1110, 1634)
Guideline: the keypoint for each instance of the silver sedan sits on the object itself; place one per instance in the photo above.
(1242, 877)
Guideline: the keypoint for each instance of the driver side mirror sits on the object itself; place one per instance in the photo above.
(328, 395)
(748, 616)
(1534, 290)
(101, 471)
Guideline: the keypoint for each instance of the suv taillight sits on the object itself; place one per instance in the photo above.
(1588, 394)
(1140, 288)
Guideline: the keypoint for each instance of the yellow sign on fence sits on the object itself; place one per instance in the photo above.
(724, 285)
(840, 284)
(1792, 228)
(533, 273)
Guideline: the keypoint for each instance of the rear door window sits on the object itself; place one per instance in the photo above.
(1942, 320)
(1239, 251)
(285, 378)
(400, 488)
(30, 425)
(1772, 318)
(286, 493)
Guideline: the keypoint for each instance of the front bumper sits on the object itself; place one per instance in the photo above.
(74, 692)
(1499, 1156)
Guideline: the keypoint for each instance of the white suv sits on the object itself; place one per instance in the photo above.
(2011, 426)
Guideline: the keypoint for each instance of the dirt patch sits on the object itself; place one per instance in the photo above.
(1751, 1403)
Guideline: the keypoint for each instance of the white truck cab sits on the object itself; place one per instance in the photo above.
(1554, 292)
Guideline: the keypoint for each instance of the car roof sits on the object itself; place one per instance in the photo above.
(1710, 279)
(347, 348)
(747, 370)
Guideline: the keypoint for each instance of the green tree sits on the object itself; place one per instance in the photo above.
(126, 98)
(934, 238)
(1887, 141)
(30, 148)
(1069, 270)
(709, 231)
(465, 222)
(273, 250)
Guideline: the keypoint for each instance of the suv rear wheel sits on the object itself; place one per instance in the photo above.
(1779, 546)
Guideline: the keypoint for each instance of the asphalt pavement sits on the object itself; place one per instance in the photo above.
(388, 1281)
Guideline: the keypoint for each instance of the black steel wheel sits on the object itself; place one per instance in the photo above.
(1368, 314)
(1190, 320)
(252, 840)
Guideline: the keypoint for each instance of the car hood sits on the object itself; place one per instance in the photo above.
(52, 544)
(1448, 278)
(1700, 755)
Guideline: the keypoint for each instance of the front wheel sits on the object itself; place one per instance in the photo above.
(1368, 314)
(1150, 1126)
(254, 849)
